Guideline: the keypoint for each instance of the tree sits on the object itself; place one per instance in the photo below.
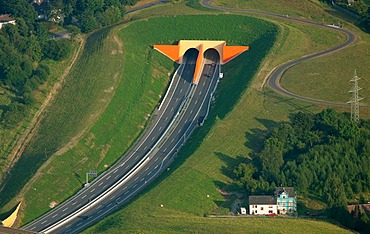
(57, 49)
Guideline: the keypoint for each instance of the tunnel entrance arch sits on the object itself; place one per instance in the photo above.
(177, 52)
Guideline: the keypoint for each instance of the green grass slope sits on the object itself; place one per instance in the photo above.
(197, 183)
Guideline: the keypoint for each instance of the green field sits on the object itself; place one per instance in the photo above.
(204, 165)
(142, 70)
(325, 78)
(214, 150)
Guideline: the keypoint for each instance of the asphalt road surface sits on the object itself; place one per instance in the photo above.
(184, 107)
(274, 79)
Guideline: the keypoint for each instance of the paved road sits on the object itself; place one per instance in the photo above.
(274, 79)
(183, 107)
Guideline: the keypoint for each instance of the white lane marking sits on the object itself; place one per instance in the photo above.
(166, 119)
(32, 228)
(180, 90)
(115, 171)
(136, 157)
(200, 93)
(65, 209)
(125, 192)
(156, 167)
(179, 130)
(54, 216)
(109, 204)
(147, 169)
(136, 178)
(134, 185)
(191, 111)
(116, 177)
(153, 138)
(196, 101)
(141, 179)
(100, 184)
(172, 140)
(171, 110)
(79, 224)
(149, 173)
(84, 196)
(97, 208)
(99, 211)
(127, 166)
(44, 222)
(156, 160)
(165, 149)
(69, 230)
(108, 177)
(145, 147)
(92, 190)
(112, 197)
(160, 128)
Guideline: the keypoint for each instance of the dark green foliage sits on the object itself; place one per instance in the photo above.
(57, 49)
(323, 154)
(14, 114)
(19, 9)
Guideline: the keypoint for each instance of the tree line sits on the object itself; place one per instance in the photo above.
(323, 154)
(25, 46)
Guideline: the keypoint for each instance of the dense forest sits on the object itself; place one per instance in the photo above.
(323, 154)
(26, 45)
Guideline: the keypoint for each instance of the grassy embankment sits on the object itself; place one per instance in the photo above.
(9, 137)
(226, 139)
(325, 78)
(87, 92)
(247, 122)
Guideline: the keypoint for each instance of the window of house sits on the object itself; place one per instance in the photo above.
(270, 211)
(290, 203)
(283, 196)
(270, 206)
(261, 208)
(278, 203)
(283, 204)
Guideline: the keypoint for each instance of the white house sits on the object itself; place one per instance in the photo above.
(6, 19)
(262, 205)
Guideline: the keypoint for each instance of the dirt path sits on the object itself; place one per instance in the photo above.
(27, 135)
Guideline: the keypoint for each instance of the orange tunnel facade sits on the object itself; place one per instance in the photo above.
(176, 52)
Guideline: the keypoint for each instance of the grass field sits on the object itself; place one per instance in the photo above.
(9, 136)
(227, 139)
(325, 78)
(143, 68)
(204, 165)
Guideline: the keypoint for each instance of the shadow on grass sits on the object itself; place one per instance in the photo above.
(280, 99)
(230, 162)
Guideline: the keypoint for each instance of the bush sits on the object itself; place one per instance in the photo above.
(57, 49)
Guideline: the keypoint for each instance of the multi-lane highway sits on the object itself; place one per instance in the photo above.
(184, 107)
(275, 76)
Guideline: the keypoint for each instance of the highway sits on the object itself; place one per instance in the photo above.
(184, 106)
(275, 76)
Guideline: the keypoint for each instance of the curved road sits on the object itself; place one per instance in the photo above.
(185, 105)
(274, 79)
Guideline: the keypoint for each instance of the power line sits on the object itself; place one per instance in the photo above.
(355, 106)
